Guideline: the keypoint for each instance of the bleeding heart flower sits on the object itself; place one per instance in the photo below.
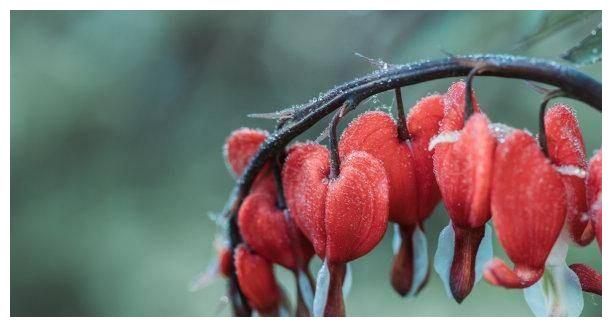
(423, 122)
(593, 194)
(344, 217)
(264, 228)
(529, 207)
(463, 162)
(413, 192)
(257, 282)
(566, 152)
(376, 133)
(239, 148)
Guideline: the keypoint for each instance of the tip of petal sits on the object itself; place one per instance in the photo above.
(499, 274)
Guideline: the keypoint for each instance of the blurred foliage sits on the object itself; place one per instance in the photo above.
(555, 21)
(588, 51)
(117, 124)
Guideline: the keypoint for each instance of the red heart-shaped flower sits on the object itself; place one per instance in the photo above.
(264, 229)
(423, 123)
(239, 149)
(566, 151)
(529, 207)
(344, 217)
(593, 192)
(375, 132)
(256, 280)
(463, 161)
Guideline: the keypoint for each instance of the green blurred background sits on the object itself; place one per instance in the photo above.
(117, 125)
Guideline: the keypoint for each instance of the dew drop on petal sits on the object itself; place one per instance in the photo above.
(420, 260)
(306, 290)
(444, 257)
(484, 254)
(348, 281)
(320, 297)
(500, 131)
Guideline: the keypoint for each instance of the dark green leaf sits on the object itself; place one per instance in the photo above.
(588, 51)
(553, 22)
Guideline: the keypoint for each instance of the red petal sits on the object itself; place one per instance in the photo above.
(498, 273)
(240, 146)
(225, 262)
(403, 264)
(357, 207)
(305, 184)
(593, 193)
(423, 123)
(594, 178)
(527, 201)
(566, 148)
(262, 225)
(590, 279)
(375, 132)
(563, 137)
(256, 280)
(454, 107)
(464, 173)
(463, 273)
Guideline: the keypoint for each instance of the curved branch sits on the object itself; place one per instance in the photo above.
(297, 120)
(574, 83)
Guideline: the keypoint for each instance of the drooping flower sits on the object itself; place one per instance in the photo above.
(529, 207)
(344, 217)
(566, 151)
(264, 228)
(375, 132)
(239, 149)
(593, 193)
(463, 162)
(257, 282)
(423, 122)
(413, 192)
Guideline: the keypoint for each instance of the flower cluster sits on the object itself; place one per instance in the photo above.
(540, 192)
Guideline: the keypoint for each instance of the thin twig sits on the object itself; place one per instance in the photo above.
(402, 129)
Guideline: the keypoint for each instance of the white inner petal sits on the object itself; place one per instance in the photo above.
(571, 171)
(445, 137)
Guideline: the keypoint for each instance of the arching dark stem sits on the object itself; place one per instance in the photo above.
(402, 129)
(280, 195)
(574, 83)
(240, 305)
(334, 154)
(542, 134)
(277, 165)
